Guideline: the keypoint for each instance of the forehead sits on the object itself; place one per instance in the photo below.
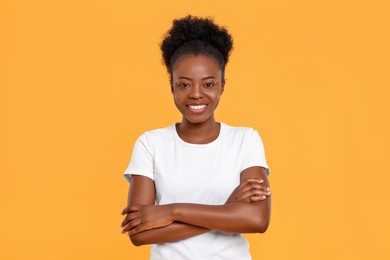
(196, 66)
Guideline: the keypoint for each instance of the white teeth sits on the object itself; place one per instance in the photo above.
(197, 107)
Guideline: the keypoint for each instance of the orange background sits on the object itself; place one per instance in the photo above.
(81, 80)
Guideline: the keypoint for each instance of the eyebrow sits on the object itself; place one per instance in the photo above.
(208, 77)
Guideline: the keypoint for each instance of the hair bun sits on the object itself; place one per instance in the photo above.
(195, 28)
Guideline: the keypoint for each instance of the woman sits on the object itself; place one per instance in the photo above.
(195, 186)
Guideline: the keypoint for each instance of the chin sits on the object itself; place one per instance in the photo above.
(193, 118)
(198, 120)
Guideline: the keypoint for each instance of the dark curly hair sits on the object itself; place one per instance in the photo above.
(195, 35)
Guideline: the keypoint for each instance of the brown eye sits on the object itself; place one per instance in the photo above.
(183, 85)
(209, 85)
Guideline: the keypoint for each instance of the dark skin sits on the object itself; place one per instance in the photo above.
(196, 79)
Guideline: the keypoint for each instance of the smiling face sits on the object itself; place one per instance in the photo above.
(197, 87)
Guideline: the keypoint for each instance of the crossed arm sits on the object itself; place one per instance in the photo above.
(246, 211)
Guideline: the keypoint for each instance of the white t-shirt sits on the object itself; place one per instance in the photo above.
(197, 173)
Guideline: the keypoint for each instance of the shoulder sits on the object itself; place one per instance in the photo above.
(156, 136)
(250, 145)
(244, 133)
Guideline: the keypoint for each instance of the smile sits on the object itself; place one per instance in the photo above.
(197, 108)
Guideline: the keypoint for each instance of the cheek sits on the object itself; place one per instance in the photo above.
(176, 98)
(216, 102)
(178, 103)
(215, 97)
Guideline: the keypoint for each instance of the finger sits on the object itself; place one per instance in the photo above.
(130, 209)
(261, 192)
(257, 186)
(245, 188)
(260, 187)
(244, 184)
(248, 185)
(247, 194)
(250, 181)
(258, 198)
(264, 195)
(251, 186)
(254, 180)
(129, 217)
(131, 225)
(137, 229)
(124, 211)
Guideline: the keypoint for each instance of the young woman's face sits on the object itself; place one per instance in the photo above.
(197, 87)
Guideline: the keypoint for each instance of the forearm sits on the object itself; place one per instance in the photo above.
(244, 212)
(171, 233)
(234, 217)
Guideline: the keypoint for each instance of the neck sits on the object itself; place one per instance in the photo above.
(199, 131)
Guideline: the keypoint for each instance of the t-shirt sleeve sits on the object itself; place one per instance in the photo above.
(253, 151)
(141, 162)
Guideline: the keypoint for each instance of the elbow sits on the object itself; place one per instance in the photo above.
(256, 219)
(136, 240)
(262, 227)
(258, 227)
(262, 223)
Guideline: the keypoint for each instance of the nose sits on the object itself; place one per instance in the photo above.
(196, 91)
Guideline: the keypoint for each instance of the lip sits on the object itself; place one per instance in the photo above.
(196, 111)
(196, 104)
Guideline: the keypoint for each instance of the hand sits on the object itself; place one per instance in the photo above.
(251, 190)
(143, 217)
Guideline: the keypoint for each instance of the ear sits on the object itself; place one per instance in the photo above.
(222, 88)
(171, 83)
